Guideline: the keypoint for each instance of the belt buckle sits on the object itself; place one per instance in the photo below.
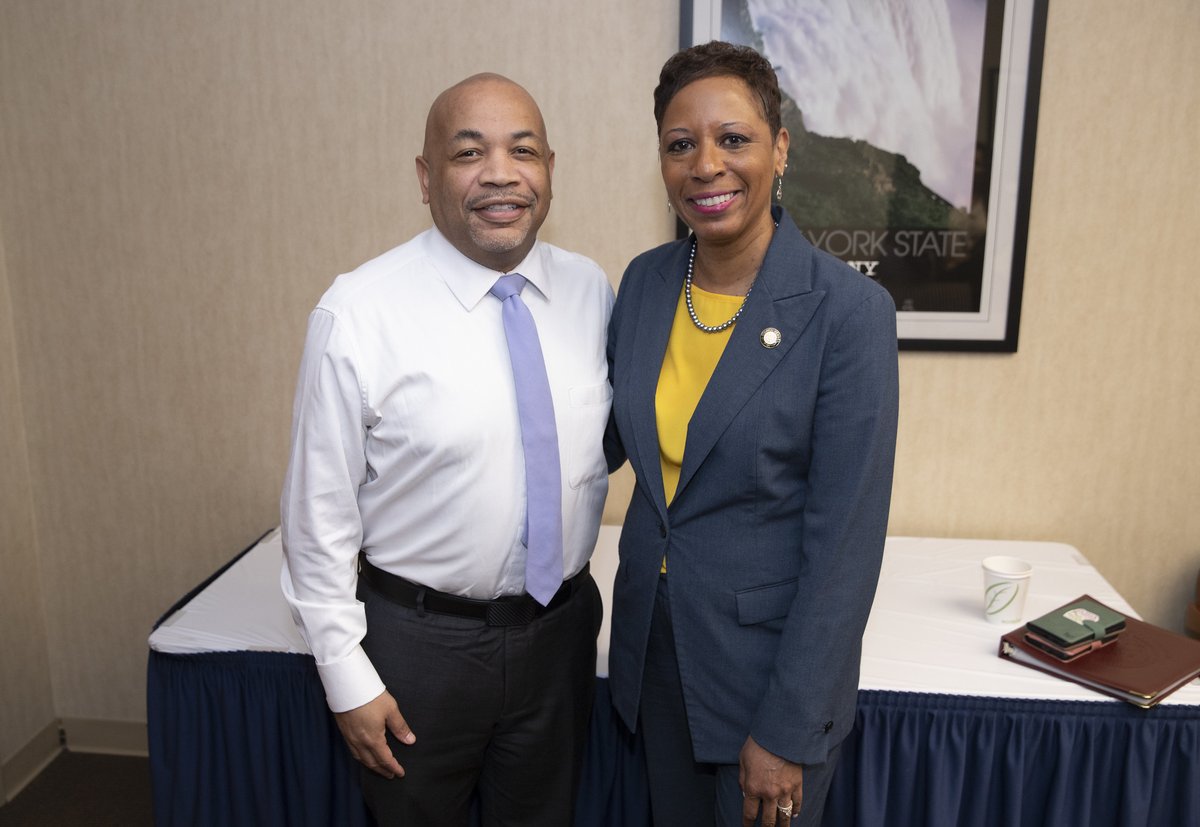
(511, 613)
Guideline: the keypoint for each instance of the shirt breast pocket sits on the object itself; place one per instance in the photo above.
(587, 417)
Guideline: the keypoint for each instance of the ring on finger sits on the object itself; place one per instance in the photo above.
(786, 809)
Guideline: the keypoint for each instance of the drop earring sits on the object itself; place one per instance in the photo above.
(779, 190)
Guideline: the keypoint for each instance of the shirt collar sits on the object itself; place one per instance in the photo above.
(470, 281)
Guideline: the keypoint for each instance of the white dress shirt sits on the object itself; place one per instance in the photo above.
(406, 442)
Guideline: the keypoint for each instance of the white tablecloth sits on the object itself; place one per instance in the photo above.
(926, 632)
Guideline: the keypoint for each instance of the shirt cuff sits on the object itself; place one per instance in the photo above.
(351, 682)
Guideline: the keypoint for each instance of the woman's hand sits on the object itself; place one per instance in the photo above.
(770, 783)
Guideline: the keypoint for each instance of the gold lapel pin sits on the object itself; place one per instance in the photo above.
(770, 337)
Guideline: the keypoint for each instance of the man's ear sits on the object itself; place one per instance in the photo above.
(423, 178)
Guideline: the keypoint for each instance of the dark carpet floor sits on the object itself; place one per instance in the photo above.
(83, 788)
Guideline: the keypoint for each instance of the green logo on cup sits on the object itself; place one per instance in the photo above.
(999, 596)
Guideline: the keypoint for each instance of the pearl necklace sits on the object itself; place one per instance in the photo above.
(687, 293)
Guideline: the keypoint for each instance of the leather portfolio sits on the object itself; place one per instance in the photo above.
(1145, 664)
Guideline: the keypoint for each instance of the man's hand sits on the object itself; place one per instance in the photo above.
(365, 729)
(769, 782)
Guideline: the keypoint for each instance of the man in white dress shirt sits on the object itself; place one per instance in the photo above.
(446, 679)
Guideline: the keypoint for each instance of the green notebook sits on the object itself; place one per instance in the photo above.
(1079, 621)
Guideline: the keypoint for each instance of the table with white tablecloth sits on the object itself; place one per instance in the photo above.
(947, 732)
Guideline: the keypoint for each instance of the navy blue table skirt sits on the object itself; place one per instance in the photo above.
(246, 739)
(918, 759)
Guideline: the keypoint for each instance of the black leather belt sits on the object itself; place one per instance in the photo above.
(503, 611)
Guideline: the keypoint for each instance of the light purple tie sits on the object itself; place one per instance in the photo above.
(539, 440)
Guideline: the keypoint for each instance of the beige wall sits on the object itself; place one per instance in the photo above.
(183, 180)
(26, 700)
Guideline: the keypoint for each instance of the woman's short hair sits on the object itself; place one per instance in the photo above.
(719, 59)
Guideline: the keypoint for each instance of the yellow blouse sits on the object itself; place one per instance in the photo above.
(688, 365)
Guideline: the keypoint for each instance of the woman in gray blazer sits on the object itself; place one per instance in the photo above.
(754, 394)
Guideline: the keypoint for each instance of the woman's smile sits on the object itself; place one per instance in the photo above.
(712, 203)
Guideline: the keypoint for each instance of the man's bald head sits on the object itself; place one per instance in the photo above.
(485, 169)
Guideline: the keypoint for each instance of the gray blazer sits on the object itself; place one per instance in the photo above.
(775, 535)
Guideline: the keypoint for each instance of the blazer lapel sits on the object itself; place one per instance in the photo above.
(783, 299)
(654, 318)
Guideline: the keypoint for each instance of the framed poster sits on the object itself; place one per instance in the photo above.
(912, 139)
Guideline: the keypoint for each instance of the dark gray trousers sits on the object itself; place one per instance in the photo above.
(501, 711)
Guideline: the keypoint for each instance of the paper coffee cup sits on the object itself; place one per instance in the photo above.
(1005, 585)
